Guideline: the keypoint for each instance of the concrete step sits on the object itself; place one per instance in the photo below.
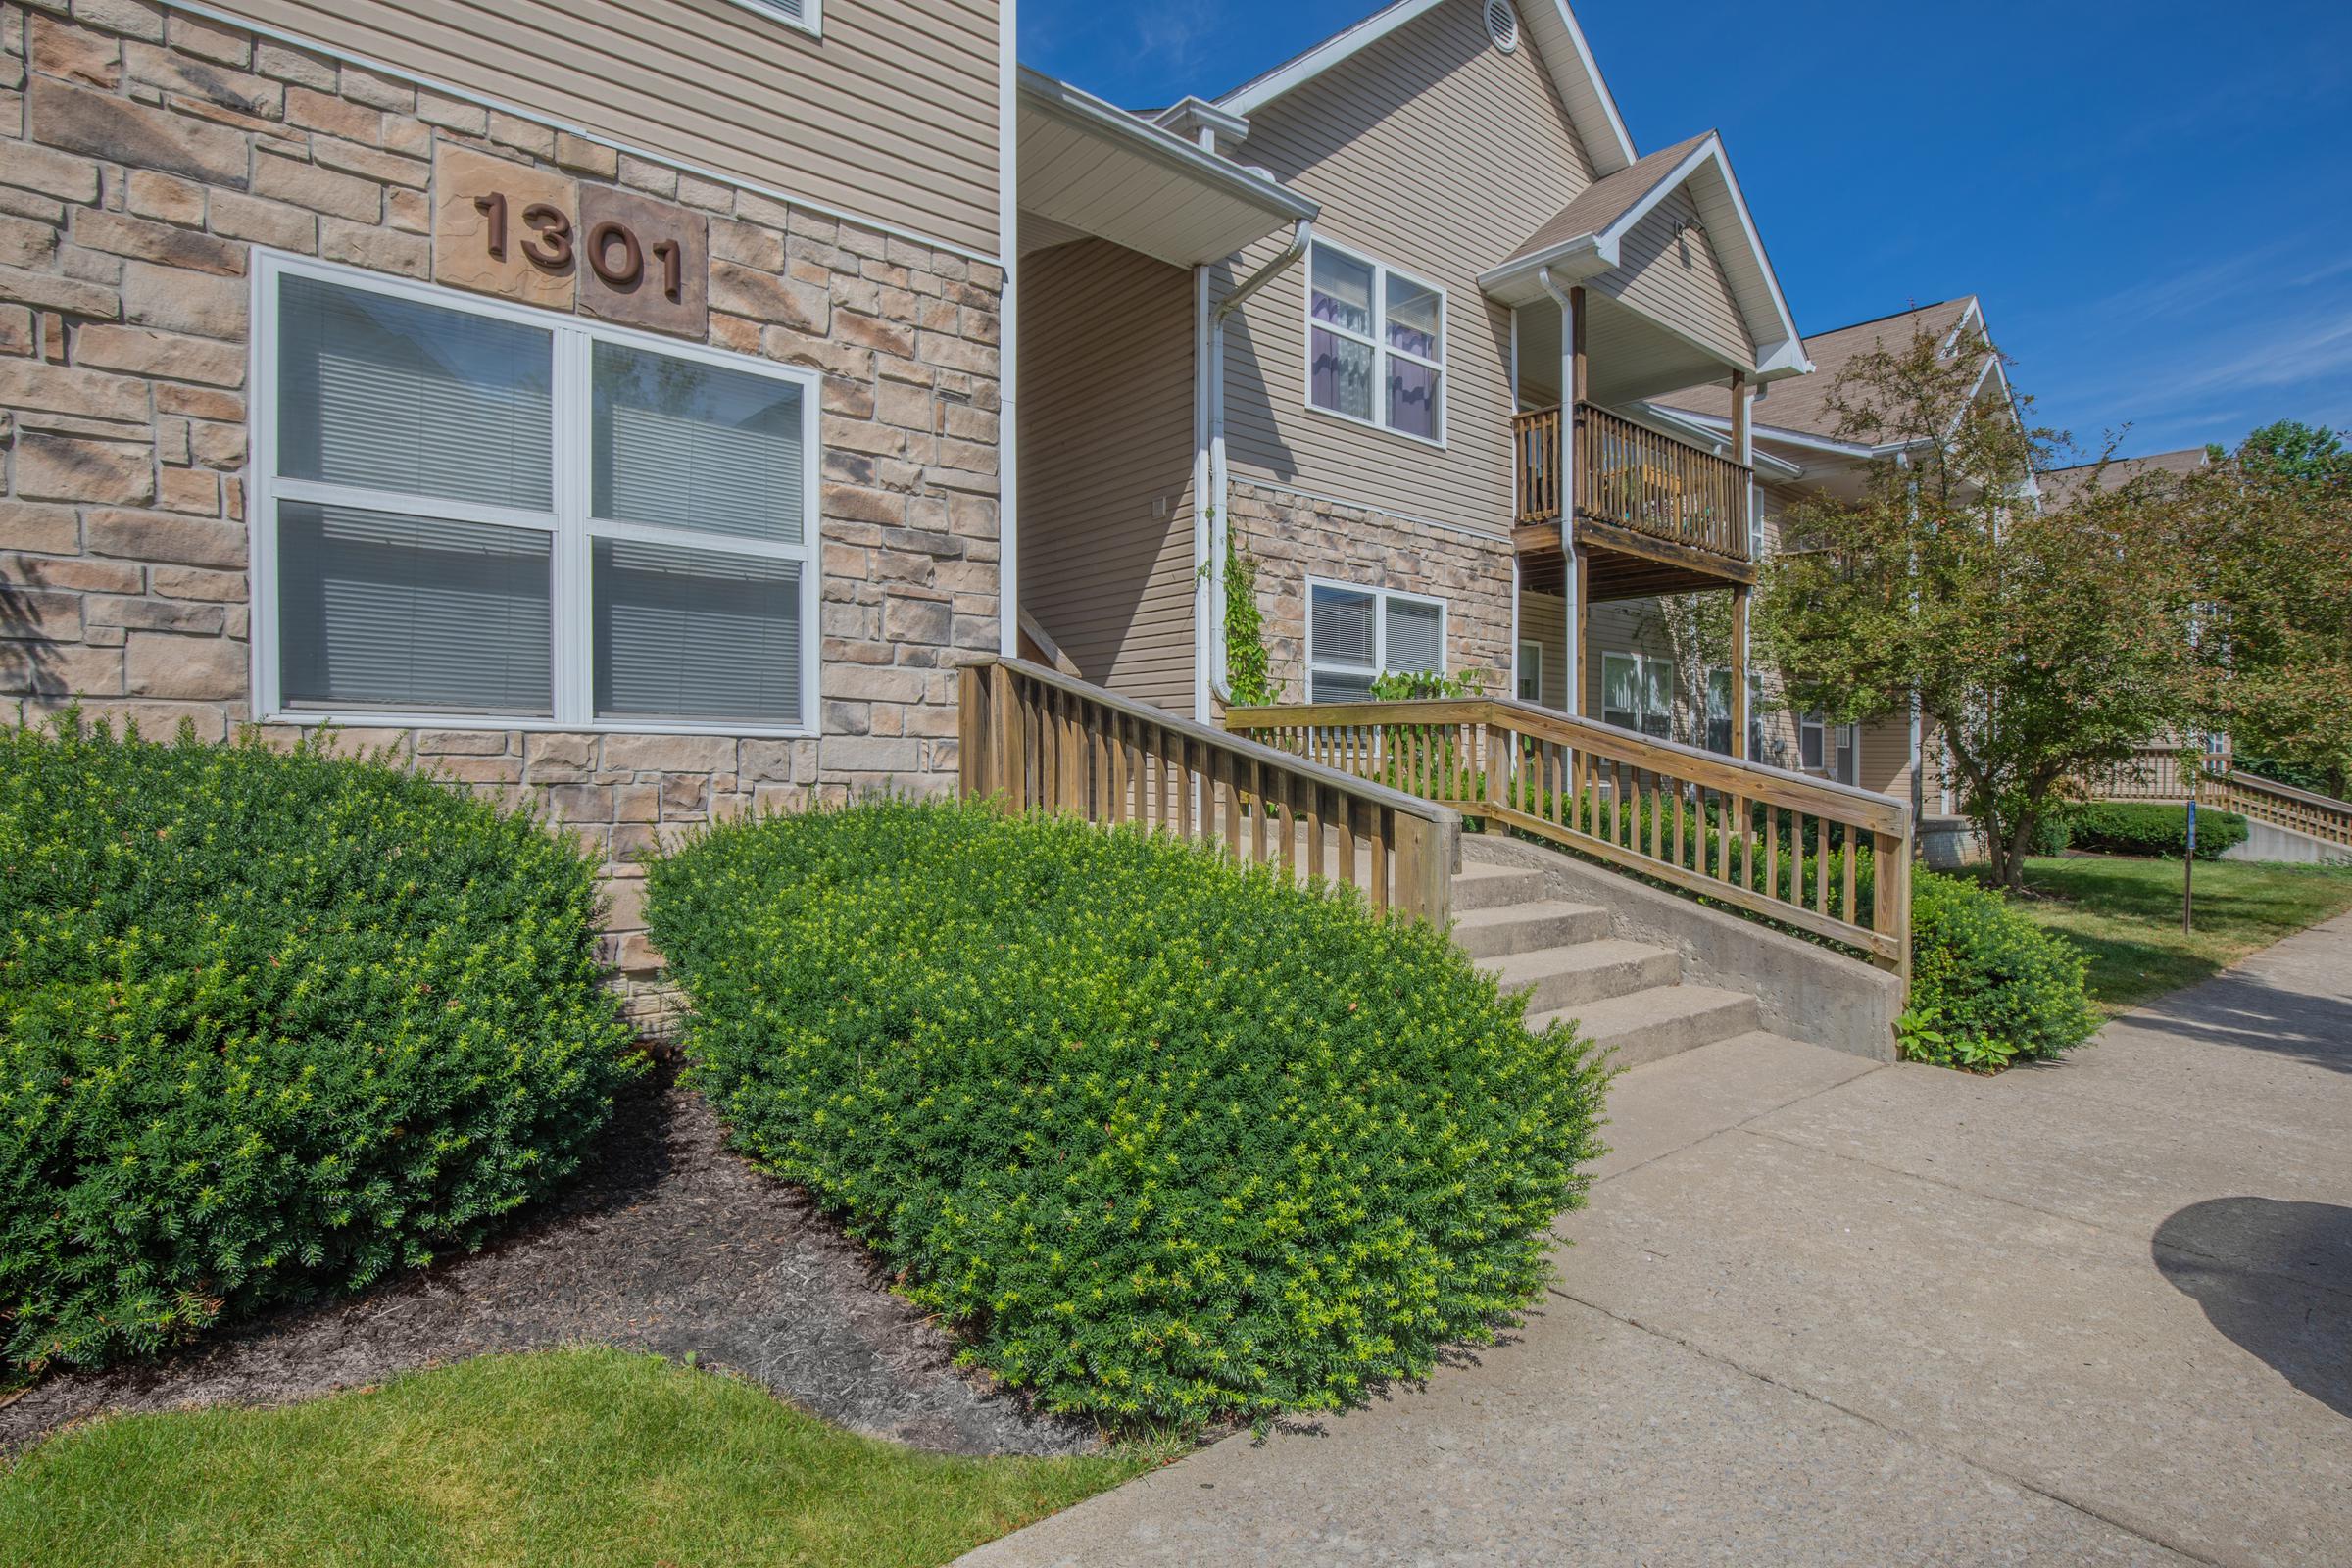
(1527, 927)
(1478, 886)
(1645, 1026)
(1586, 973)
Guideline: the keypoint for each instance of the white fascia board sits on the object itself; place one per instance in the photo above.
(1619, 142)
(1248, 98)
(1198, 114)
(1715, 432)
(1082, 109)
(1784, 437)
(1782, 328)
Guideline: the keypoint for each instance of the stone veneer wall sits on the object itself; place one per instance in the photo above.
(1297, 537)
(144, 152)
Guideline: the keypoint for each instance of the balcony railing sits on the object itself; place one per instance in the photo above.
(1630, 476)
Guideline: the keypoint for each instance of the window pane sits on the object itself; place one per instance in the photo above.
(1414, 319)
(1341, 626)
(388, 394)
(1808, 743)
(383, 612)
(1658, 688)
(1342, 295)
(1412, 398)
(1339, 686)
(1531, 672)
(1343, 375)
(1416, 637)
(686, 444)
(694, 634)
(1620, 691)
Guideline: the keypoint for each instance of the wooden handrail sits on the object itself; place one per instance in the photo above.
(2319, 816)
(1776, 844)
(1038, 740)
(1633, 477)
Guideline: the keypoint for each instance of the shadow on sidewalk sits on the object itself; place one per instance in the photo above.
(2246, 1010)
(2276, 1278)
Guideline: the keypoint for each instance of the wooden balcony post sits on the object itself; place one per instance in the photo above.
(1740, 595)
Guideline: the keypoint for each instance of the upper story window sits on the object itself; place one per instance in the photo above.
(472, 512)
(806, 15)
(1356, 634)
(1375, 344)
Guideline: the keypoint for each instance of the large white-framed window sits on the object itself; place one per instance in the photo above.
(1531, 671)
(1354, 635)
(806, 15)
(1375, 344)
(469, 514)
(1719, 710)
(1637, 692)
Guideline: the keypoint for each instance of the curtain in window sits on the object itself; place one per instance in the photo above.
(681, 444)
(695, 634)
(377, 610)
(384, 393)
(1340, 298)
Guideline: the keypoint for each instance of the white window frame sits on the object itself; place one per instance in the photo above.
(1835, 740)
(808, 18)
(1641, 664)
(1706, 720)
(1531, 668)
(1378, 342)
(1380, 629)
(573, 531)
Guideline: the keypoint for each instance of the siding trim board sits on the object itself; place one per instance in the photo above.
(970, 247)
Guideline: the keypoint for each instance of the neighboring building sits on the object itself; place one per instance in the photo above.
(2117, 473)
(602, 403)
(1353, 397)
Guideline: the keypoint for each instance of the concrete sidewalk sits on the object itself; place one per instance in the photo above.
(1821, 1312)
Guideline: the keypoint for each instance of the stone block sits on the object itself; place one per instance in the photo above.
(745, 291)
(90, 394)
(558, 749)
(48, 292)
(155, 536)
(61, 469)
(199, 83)
(81, 120)
(166, 198)
(467, 119)
(171, 355)
(379, 250)
(55, 47)
(229, 46)
(47, 614)
(670, 753)
(855, 753)
(189, 616)
(59, 669)
(161, 665)
(194, 582)
(369, 163)
(334, 115)
(624, 276)
(914, 621)
(27, 527)
(321, 190)
(182, 302)
(290, 65)
(582, 156)
(462, 253)
(190, 490)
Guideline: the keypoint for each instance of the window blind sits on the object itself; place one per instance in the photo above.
(1416, 637)
(695, 634)
(385, 393)
(378, 611)
(681, 444)
(1342, 627)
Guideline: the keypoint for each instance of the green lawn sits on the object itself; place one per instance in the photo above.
(570, 1457)
(2126, 915)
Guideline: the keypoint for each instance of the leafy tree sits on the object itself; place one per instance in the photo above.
(2270, 535)
(2044, 641)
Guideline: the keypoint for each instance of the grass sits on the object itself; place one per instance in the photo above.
(565, 1458)
(2124, 914)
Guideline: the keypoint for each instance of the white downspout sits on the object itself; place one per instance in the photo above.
(1220, 479)
(1575, 672)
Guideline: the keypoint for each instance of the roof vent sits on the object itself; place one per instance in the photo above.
(1503, 24)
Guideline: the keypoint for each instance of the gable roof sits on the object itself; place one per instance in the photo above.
(2120, 471)
(1586, 237)
(1547, 23)
(1801, 406)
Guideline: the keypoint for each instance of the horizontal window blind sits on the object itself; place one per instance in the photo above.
(384, 393)
(685, 633)
(1416, 636)
(1342, 627)
(680, 444)
(377, 610)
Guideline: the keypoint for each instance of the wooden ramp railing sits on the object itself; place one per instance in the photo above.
(2157, 773)
(1790, 849)
(1040, 740)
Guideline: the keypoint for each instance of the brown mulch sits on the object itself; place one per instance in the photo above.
(668, 1243)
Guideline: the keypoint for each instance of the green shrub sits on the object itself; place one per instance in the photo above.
(2051, 834)
(2152, 828)
(1170, 1139)
(270, 1024)
(1988, 987)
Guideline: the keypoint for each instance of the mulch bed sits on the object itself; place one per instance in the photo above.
(669, 1244)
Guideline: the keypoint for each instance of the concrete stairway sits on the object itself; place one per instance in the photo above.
(1628, 996)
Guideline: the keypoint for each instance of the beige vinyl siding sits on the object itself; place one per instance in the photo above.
(1435, 153)
(1680, 280)
(1105, 426)
(1886, 756)
(1544, 619)
(890, 116)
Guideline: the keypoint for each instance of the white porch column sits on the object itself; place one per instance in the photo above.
(1743, 450)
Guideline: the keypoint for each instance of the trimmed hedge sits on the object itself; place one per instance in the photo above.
(1988, 987)
(271, 1024)
(1171, 1140)
(2151, 828)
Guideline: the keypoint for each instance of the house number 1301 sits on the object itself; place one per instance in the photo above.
(611, 250)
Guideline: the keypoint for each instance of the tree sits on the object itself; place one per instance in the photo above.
(2045, 640)
(2270, 535)
(1697, 630)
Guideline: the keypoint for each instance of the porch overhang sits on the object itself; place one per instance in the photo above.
(1091, 170)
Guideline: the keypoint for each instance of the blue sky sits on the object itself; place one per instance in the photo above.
(2153, 198)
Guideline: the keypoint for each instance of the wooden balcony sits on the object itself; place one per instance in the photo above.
(1657, 515)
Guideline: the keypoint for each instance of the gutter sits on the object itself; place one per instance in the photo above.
(1210, 542)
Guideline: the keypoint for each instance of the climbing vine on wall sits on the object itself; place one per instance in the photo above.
(1246, 658)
